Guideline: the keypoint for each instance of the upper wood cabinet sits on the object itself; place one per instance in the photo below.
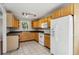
(35, 24)
(63, 11)
(12, 21)
(38, 23)
(16, 22)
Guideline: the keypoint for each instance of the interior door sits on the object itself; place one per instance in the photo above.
(0, 32)
(62, 42)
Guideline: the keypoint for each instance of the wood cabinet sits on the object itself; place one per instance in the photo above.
(26, 36)
(35, 36)
(48, 20)
(63, 11)
(47, 40)
(38, 23)
(16, 22)
(35, 24)
(12, 21)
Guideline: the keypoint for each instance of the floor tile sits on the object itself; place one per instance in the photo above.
(30, 48)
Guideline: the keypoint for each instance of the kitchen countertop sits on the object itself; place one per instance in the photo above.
(23, 31)
(12, 34)
(17, 32)
(47, 33)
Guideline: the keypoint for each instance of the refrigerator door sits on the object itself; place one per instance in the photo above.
(62, 36)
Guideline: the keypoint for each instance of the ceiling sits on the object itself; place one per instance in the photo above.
(40, 9)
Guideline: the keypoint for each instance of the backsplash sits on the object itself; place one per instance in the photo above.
(45, 30)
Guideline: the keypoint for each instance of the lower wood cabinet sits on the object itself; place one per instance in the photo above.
(47, 40)
(26, 36)
(35, 36)
(29, 36)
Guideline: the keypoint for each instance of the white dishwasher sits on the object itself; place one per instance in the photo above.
(12, 42)
(41, 38)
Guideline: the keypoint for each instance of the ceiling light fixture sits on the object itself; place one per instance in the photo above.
(28, 14)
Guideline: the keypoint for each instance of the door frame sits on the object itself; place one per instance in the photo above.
(1, 42)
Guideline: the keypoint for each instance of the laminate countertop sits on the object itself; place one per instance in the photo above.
(18, 32)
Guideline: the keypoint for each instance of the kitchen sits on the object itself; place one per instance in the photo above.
(30, 32)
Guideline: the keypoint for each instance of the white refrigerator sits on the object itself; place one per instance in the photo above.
(62, 36)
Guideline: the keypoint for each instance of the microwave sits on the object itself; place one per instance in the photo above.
(44, 25)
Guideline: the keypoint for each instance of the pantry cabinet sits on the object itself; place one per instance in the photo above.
(12, 21)
(47, 40)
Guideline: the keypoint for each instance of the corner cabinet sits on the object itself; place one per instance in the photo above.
(12, 21)
(35, 36)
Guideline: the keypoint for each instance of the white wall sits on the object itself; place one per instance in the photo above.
(29, 25)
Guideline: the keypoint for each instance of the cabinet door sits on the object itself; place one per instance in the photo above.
(9, 20)
(26, 36)
(47, 41)
(45, 20)
(35, 36)
(48, 20)
(12, 21)
(39, 23)
(64, 11)
(16, 23)
(35, 24)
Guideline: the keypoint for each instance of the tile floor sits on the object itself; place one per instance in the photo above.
(30, 48)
